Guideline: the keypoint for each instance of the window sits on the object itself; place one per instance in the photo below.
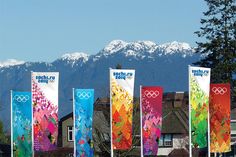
(166, 140)
(233, 132)
(136, 141)
(70, 133)
(106, 136)
(233, 125)
(161, 140)
(233, 129)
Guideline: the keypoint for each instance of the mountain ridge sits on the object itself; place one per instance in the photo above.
(154, 66)
(131, 48)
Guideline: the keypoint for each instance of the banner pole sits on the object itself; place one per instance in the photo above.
(141, 122)
(73, 102)
(32, 115)
(189, 109)
(208, 120)
(12, 151)
(111, 110)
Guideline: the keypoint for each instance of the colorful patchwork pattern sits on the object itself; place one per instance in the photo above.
(121, 96)
(83, 113)
(199, 115)
(220, 118)
(151, 108)
(21, 124)
(45, 120)
(199, 102)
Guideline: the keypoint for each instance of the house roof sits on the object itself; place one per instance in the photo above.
(66, 117)
(175, 112)
(175, 122)
(102, 104)
(179, 152)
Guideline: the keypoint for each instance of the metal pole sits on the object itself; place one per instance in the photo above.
(11, 128)
(73, 92)
(111, 111)
(32, 116)
(189, 109)
(141, 123)
(208, 124)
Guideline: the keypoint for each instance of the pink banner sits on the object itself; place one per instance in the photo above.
(151, 117)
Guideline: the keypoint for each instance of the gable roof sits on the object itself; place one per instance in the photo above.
(175, 122)
(179, 152)
(66, 117)
(175, 113)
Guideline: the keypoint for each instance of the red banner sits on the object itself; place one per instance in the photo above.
(220, 117)
(151, 117)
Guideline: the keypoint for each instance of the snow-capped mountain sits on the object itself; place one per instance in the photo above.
(119, 45)
(142, 49)
(75, 56)
(163, 65)
(10, 62)
(176, 47)
(74, 59)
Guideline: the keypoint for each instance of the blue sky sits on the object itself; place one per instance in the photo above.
(43, 30)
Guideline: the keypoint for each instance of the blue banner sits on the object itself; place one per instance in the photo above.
(83, 119)
(21, 121)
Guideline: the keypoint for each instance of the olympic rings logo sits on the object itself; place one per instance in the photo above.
(84, 95)
(21, 98)
(219, 90)
(151, 93)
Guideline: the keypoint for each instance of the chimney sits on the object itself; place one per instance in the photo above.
(178, 99)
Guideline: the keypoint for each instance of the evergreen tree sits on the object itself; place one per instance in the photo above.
(3, 138)
(218, 46)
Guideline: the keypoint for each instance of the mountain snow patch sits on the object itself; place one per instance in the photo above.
(10, 62)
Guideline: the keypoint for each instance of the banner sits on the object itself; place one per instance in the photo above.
(220, 118)
(21, 121)
(45, 110)
(83, 113)
(151, 119)
(199, 88)
(121, 94)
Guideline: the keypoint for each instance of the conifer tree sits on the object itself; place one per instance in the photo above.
(218, 41)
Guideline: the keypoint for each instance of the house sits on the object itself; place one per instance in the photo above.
(175, 123)
(174, 139)
(65, 132)
(233, 126)
(174, 129)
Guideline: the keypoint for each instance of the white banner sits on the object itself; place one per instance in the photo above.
(199, 88)
(45, 110)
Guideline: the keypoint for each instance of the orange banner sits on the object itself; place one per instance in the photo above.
(220, 118)
(122, 87)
